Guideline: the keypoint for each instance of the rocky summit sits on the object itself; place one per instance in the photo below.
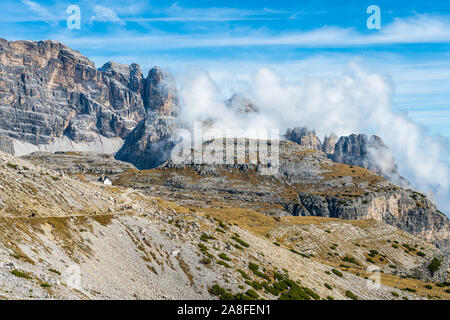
(92, 205)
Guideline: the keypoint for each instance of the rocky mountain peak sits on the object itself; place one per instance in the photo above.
(241, 104)
(304, 137)
(368, 152)
(160, 94)
(329, 142)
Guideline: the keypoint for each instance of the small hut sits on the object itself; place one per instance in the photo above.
(105, 180)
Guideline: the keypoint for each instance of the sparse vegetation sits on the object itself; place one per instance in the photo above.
(435, 265)
(223, 256)
(351, 295)
(240, 241)
(351, 260)
(20, 274)
(337, 272)
(205, 237)
(55, 271)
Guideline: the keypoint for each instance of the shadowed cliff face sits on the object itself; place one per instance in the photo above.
(53, 93)
(150, 144)
(50, 90)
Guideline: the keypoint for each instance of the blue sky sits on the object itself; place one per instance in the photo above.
(293, 37)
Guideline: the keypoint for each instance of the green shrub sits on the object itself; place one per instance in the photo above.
(223, 263)
(434, 265)
(328, 286)
(218, 291)
(277, 244)
(240, 241)
(278, 276)
(337, 272)
(351, 295)
(295, 292)
(252, 294)
(55, 271)
(204, 237)
(255, 284)
(428, 286)
(20, 274)
(311, 293)
(330, 298)
(421, 254)
(206, 261)
(223, 256)
(244, 275)
(394, 246)
(255, 269)
(395, 294)
(370, 260)
(410, 289)
(12, 166)
(351, 260)
(45, 285)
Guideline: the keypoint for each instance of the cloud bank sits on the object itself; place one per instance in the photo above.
(357, 101)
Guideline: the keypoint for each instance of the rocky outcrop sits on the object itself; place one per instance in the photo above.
(86, 163)
(406, 210)
(6, 145)
(370, 153)
(53, 98)
(50, 91)
(328, 143)
(241, 104)
(160, 95)
(304, 137)
(150, 143)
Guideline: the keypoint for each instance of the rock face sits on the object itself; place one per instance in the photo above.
(86, 163)
(370, 153)
(6, 145)
(241, 104)
(53, 98)
(306, 184)
(50, 91)
(150, 143)
(328, 143)
(160, 94)
(304, 137)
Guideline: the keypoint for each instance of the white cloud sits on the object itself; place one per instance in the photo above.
(40, 11)
(354, 102)
(415, 29)
(104, 14)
